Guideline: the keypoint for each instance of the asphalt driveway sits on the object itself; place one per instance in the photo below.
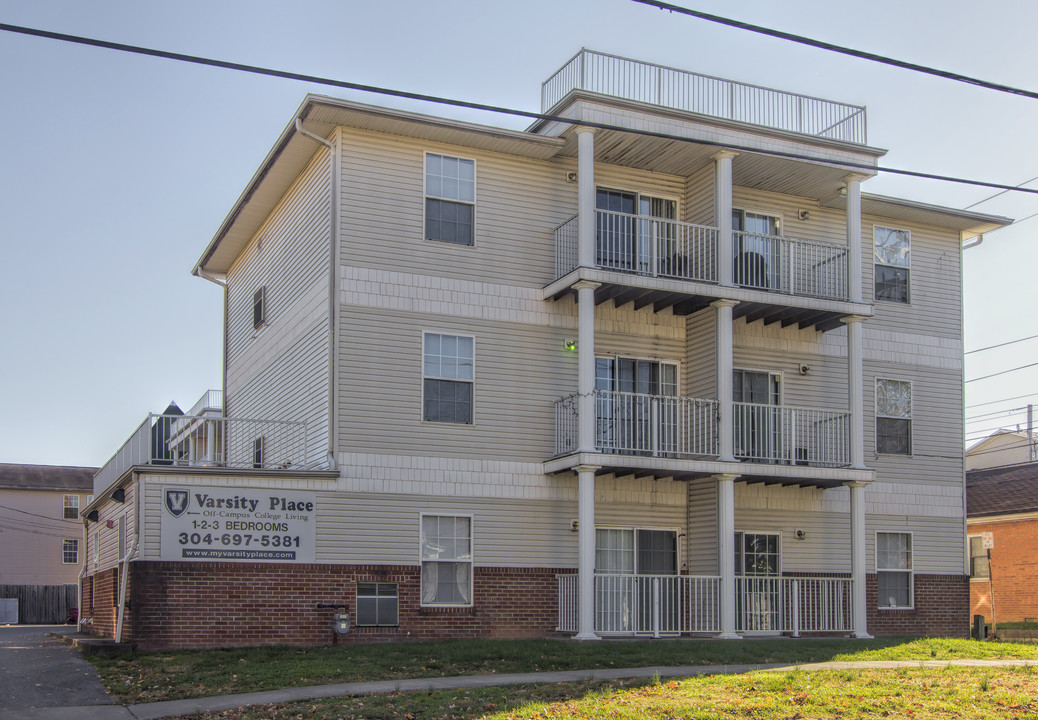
(37, 671)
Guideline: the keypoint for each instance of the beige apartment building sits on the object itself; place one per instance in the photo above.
(655, 366)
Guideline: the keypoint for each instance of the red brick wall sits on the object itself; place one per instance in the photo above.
(941, 603)
(237, 604)
(100, 593)
(1014, 572)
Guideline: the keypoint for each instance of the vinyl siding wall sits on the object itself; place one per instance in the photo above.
(280, 370)
(32, 545)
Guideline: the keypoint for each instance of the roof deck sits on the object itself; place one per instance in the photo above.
(705, 95)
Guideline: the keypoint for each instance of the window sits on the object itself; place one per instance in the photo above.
(892, 251)
(978, 558)
(757, 253)
(894, 569)
(71, 507)
(97, 547)
(446, 560)
(450, 199)
(447, 369)
(756, 554)
(893, 417)
(633, 231)
(259, 307)
(257, 452)
(70, 552)
(377, 604)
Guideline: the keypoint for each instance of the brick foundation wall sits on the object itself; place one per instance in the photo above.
(100, 596)
(1014, 572)
(197, 605)
(941, 608)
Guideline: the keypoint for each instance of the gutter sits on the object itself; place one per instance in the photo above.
(125, 561)
(334, 159)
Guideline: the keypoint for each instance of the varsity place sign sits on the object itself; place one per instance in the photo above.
(237, 524)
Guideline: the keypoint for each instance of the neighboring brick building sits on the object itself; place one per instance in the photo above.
(1004, 502)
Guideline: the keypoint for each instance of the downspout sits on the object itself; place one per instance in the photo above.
(129, 553)
(977, 241)
(205, 275)
(334, 156)
(82, 572)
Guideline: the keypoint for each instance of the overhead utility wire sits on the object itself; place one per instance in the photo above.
(948, 75)
(1002, 192)
(992, 347)
(996, 402)
(1001, 372)
(482, 106)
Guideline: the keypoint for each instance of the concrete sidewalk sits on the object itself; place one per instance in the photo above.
(172, 708)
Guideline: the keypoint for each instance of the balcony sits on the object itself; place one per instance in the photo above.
(657, 605)
(704, 95)
(650, 247)
(208, 440)
(670, 428)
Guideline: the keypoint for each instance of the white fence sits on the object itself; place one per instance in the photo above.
(659, 425)
(657, 605)
(790, 435)
(792, 604)
(208, 440)
(790, 266)
(727, 99)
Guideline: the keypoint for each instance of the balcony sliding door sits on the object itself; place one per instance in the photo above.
(629, 233)
(637, 412)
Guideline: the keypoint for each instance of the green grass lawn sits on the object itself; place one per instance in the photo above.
(974, 693)
(151, 677)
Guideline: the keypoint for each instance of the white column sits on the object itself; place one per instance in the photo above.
(210, 442)
(723, 361)
(586, 365)
(853, 189)
(586, 196)
(855, 390)
(859, 619)
(726, 552)
(586, 552)
(723, 214)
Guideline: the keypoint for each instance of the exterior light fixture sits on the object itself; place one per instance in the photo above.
(92, 516)
(570, 345)
(119, 495)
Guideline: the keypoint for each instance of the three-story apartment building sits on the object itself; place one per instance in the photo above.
(654, 366)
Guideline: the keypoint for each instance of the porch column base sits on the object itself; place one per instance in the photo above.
(586, 636)
(863, 636)
(728, 636)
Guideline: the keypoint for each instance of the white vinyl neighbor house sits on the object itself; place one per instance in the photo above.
(654, 366)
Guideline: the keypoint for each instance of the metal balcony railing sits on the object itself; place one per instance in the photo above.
(706, 95)
(684, 427)
(208, 441)
(628, 604)
(647, 246)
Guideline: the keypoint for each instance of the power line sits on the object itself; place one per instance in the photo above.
(946, 74)
(198, 60)
(992, 347)
(995, 402)
(1002, 372)
(1001, 192)
(26, 512)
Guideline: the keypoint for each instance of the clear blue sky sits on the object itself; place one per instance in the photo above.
(116, 169)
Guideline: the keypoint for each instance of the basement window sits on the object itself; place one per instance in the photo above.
(377, 604)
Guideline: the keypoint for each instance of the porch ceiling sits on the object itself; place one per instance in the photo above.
(750, 472)
(685, 298)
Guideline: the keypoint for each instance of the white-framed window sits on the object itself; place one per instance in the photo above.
(377, 604)
(446, 555)
(893, 417)
(70, 507)
(70, 552)
(259, 307)
(450, 199)
(448, 376)
(892, 250)
(758, 554)
(97, 548)
(894, 570)
(640, 551)
(979, 567)
(258, 452)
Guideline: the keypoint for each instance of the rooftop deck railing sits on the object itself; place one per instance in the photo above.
(706, 95)
(208, 441)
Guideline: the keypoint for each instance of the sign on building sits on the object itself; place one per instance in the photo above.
(237, 524)
(989, 540)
